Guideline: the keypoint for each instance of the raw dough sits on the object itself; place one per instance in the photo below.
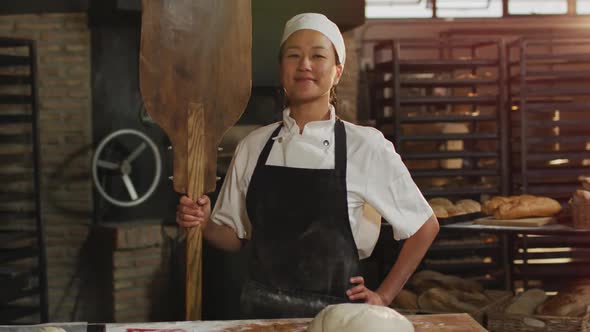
(354, 317)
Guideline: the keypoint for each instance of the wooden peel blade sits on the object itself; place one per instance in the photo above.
(195, 80)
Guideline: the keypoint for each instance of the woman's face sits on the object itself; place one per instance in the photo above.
(308, 68)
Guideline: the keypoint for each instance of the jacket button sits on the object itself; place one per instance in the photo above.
(326, 143)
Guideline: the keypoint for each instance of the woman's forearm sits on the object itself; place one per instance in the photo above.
(222, 237)
(412, 252)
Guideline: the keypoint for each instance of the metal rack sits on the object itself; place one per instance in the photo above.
(550, 261)
(549, 94)
(472, 256)
(442, 102)
(466, 254)
(23, 282)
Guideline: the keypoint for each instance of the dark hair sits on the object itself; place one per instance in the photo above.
(333, 97)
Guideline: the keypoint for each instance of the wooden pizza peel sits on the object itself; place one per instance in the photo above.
(195, 80)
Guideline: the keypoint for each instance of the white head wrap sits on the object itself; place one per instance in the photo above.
(319, 23)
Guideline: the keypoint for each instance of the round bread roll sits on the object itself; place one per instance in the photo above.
(456, 210)
(469, 205)
(353, 317)
(440, 211)
(441, 201)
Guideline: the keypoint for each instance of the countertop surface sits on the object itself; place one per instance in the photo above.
(422, 323)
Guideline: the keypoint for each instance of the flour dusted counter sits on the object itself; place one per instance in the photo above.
(422, 323)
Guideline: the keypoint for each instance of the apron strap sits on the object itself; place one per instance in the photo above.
(340, 148)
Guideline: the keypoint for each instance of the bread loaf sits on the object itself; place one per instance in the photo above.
(438, 299)
(570, 302)
(439, 211)
(475, 298)
(491, 205)
(406, 299)
(441, 201)
(423, 280)
(456, 210)
(581, 196)
(444, 208)
(469, 205)
(527, 302)
(522, 206)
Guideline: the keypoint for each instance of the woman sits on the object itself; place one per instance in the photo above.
(296, 190)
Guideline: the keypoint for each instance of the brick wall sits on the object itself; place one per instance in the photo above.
(347, 91)
(63, 46)
(134, 263)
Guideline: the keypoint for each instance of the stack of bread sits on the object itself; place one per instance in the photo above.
(572, 301)
(582, 196)
(444, 208)
(580, 203)
(521, 206)
(434, 291)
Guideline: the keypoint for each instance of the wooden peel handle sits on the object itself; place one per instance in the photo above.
(195, 186)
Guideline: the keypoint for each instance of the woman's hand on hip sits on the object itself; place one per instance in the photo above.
(361, 292)
(193, 214)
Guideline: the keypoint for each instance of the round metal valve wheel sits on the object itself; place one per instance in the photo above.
(121, 163)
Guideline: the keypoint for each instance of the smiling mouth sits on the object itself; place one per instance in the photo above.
(304, 80)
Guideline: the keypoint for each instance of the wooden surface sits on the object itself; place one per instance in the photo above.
(523, 222)
(195, 80)
(194, 236)
(422, 323)
(551, 229)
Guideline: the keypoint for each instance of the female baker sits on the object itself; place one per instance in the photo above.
(296, 190)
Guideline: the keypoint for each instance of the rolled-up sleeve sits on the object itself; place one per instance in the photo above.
(230, 207)
(392, 192)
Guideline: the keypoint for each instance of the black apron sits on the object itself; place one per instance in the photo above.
(303, 251)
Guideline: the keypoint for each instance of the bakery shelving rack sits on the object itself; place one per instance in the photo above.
(442, 102)
(549, 93)
(550, 261)
(23, 282)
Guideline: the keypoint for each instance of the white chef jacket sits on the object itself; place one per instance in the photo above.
(375, 174)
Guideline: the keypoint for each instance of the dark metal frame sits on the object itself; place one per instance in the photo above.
(524, 90)
(514, 239)
(572, 10)
(31, 61)
(443, 61)
(446, 63)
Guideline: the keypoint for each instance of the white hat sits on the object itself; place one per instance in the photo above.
(319, 23)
